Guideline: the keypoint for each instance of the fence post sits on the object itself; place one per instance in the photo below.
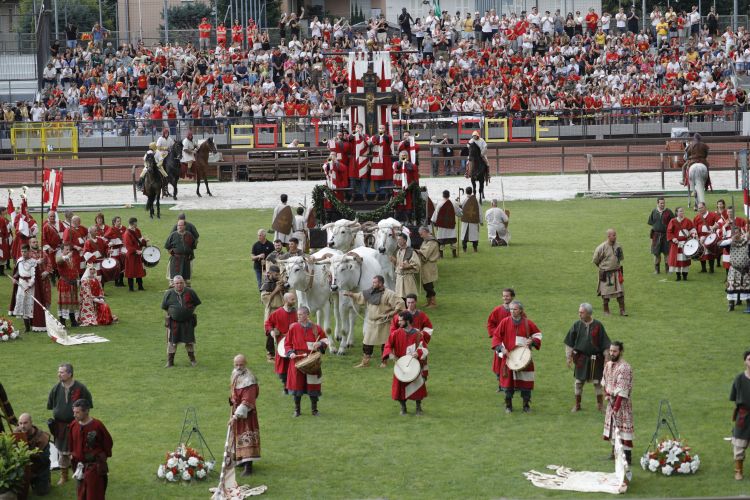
(661, 167)
(562, 161)
(497, 161)
(299, 165)
(62, 187)
(627, 157)
(135, 192)
(589, 161)
(736, 170)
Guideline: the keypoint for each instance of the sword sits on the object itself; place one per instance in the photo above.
(458, 224)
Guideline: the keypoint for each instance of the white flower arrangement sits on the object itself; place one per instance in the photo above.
(671, 456)
(7, 331)
(184, 464)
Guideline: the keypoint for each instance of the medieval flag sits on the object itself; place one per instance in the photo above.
(51, 187)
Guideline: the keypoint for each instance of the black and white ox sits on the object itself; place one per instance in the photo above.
(312, 282)
(352, 271)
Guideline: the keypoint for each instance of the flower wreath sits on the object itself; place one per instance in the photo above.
(671, 456)
(7, 331)
(184, 464)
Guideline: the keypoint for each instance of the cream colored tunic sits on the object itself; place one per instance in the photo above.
(407, 272)
(377, 324)
(429, 254)
(605, 258)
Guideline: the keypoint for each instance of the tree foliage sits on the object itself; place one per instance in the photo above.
(82, 13)
(187, 16)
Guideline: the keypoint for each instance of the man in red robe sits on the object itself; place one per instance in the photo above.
(245, 430)
(705, 224)
(114, 237)
(493, 321)
(382, 168)
(134, 244)
(404, 173)
(277, 326)
(51, 237)
(516, 331)
(304, 337)
(76, 236)
(95, 251)
(419, 320)
(679, 230)
(407, 341)
(42, 285)
(359, 166)
(6, 239)
(90, 447)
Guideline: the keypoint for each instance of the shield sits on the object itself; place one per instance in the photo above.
(471, 210)
(283, 221)
(446, 217)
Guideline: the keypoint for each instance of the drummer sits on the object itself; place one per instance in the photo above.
(404, 342)
(516, 331)
(419, 320)
(276, 327)
(114, 236)
(304, 338)
(706, 223)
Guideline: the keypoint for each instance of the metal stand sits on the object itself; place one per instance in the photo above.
(664, 420)
(190, 427)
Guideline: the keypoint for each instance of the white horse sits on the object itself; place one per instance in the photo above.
(697, 178)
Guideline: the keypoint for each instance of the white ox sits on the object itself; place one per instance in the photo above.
(386, 243)
(311, 281)
(344, 235)
(352, 271)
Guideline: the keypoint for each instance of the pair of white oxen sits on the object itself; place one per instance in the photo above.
(348, 264)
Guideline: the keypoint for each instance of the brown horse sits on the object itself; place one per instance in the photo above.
(200, 165)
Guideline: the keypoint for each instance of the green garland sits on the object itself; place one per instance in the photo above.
(322, 192)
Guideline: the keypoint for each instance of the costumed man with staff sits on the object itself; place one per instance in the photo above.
(381, 306)
(498, 314)
(42, 285)
(618, 391)
(586, 350)
(61, 398)
(277, 327)
(471, 218)
(406, 263)
(245, 429)
(516, 332)
(608, 258)
(181, 247)
(659, 221)
(180, 303)
(740, 396)
(25, 277)
(444, 219)
(407, 341)
(429, 253)
(304, 338)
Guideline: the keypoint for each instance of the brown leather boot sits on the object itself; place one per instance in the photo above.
(64, 476)
(365, 361)
(431, 303)
(600, 402)
(738, 470)
(605, 306)
(191, 355)
(170, 360)
(621, 302)
(248, 469)
(577, 407)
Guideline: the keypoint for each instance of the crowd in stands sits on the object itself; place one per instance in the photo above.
(467, 63)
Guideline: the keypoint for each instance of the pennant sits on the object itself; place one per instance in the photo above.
(51, 187)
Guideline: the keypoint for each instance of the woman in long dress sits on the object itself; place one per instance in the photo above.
(94, 311)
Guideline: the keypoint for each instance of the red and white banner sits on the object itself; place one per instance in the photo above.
(51, 188)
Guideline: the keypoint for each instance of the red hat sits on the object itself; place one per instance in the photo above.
(204, 19)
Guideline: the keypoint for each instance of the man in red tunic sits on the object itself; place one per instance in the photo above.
(420, 321)
(404, 173)
(90, 447)
(705, 224)
(42, 285)
(679, 230)
(303, 338)
(52, 231)
(516, 331)
(134, 244)
(76, 236)
(95, 251)
(359, 166)
(493, 321)
(114, 237)
(382, 169)
(337, 177)
(407, 341)
(6, 238)
(67, 286)
(277, 326)
(245, 430)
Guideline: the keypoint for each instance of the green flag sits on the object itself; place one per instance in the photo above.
(436, 8)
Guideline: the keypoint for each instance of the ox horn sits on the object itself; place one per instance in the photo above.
(327, 226)
(355, 256)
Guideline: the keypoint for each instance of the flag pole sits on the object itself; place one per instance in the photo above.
(41, 217)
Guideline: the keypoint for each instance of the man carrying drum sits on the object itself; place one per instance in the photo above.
(706, 223)
(513, 338)
(586, 346)
(304, 338)
(407, 345)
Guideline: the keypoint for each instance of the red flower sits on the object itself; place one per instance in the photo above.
(174, 470)
(191, 471)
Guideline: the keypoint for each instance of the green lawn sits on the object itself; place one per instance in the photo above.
(681, 342)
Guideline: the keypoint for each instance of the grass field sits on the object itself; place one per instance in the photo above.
(682, 344)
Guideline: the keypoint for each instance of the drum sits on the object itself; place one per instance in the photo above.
(693, 249)
(712, 243)
(519, 358)
(407, 369)
(110, 269)
(280, 349)
(151, 256)
(309, 365)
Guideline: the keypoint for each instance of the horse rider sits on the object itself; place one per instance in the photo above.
(152, 151)
(695, 152)
(188, 150)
